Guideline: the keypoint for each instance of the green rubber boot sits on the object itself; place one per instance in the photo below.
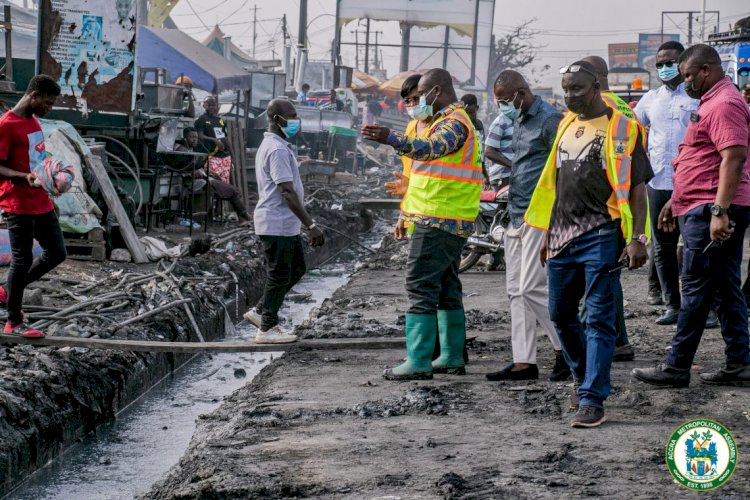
(420, 342)
(452, 333)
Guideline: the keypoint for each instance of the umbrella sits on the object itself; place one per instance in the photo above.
(363, 81)
(392, 86)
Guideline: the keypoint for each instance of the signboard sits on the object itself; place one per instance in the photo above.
(648, 45)
(88, 46)
(623, 55)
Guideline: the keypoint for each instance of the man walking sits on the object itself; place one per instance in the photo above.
(666, 110)
(590, 195)
(533, 135)
(26, 205)
(711, 201)
(441, 202)
(278, 215)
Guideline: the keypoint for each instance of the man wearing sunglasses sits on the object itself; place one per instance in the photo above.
(711, 204)
(442, 201)
(535, 125)
(666, 110)
(590, 196)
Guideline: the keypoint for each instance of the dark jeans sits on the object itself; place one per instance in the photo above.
(432, 281)
(285, 266)
(583, 269)
(22, 230)
(665, 250)
(717, 272)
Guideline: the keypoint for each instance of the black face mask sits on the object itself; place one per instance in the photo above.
(577, 103)
(692, 91)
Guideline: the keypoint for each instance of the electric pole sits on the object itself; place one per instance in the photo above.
(367, 46)
(378, 62)
(356, 48)
(255, 22)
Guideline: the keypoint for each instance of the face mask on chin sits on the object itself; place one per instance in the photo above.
(692, 91)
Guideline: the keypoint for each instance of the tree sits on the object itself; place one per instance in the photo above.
(515, 50)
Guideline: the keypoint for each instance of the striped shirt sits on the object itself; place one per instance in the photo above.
(500, 137)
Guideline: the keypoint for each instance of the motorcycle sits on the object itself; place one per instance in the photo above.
(489, 229)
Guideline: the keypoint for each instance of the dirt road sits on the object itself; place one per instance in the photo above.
(326, 425)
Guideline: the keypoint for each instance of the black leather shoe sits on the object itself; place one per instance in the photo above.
(561, 370)
(712, 321)
(624, 353)
(507, 373)
(663, 375)
(654, 297)
(729, 375)
(669, 317)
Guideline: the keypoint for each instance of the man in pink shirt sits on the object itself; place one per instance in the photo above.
(711, 202)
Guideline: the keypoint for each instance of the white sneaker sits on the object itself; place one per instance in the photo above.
(253, 316)
(275, 335)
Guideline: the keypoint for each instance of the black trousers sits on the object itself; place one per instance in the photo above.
(285, 267)
(22, 230)
(432, 280)
(665, 250)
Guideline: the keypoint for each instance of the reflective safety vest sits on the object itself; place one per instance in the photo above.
(447, 187)
(615, 102)
(622, 136)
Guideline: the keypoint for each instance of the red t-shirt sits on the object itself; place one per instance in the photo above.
(723, 120)
(22, 149)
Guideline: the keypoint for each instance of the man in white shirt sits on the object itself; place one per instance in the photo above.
(666, 111)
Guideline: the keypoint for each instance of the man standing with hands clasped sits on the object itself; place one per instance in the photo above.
(278, 215)
(711, 202)
(591, 200)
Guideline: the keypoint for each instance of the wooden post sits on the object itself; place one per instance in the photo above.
(94, 163)
(8, 44)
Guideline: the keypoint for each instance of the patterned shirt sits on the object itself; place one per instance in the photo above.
(500, 137)
(449, 137)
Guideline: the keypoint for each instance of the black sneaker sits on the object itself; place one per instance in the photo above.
(561, 370)
(663, 375)
(588, 416)
(669, 317)
(507, 373)
(713, 320)
(738, 375)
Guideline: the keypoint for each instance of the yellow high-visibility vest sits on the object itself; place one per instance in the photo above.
(621, 140)
(411, 131)
(447, 187)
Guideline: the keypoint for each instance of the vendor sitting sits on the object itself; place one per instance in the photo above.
(223, 190)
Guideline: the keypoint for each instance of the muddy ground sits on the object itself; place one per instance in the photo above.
(322, 424)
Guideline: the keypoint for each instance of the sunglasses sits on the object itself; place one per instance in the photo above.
(575, 68)
(668, 64)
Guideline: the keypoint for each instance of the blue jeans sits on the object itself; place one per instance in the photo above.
(706, 276)
(582, 270)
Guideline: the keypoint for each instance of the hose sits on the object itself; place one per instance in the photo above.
(122, 145)
(135, 177)
(348, 238)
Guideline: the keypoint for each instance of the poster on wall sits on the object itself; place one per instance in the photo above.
(88, 46)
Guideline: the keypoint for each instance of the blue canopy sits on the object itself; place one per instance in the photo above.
(180, 54)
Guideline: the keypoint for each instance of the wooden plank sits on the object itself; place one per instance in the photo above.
(233, 346)
(94, 163)
(381, 203)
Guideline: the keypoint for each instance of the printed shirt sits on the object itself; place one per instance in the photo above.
(533, 137)
(450, 137)
(667, 112)
(212, 126)
(275, 164)
(584, 199)
(500, 137)
(22, 149)
(723, 121)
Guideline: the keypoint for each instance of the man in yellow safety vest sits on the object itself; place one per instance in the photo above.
(441, 201)
(591, 200)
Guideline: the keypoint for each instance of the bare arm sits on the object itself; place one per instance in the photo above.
(15, 175)
(289, 195)
(730, 172)
(636, 250)
(497, 157)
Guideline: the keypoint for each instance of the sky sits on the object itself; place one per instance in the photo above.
(568, 30)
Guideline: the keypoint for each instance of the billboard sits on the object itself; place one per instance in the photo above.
(88, 46)
(469, 23)
(648, 45)
(623, 55)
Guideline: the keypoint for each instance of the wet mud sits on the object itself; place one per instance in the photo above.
(317, 424)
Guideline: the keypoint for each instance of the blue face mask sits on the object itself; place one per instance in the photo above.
(667, 73)
(292, 127)
(509, 109)
(424, 110)
(419, 113)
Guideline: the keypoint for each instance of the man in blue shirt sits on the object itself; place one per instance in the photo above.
(535, 126)
(302, 95)
(666, 110)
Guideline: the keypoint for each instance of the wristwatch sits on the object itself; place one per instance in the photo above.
(642, 238)
(718, 210)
